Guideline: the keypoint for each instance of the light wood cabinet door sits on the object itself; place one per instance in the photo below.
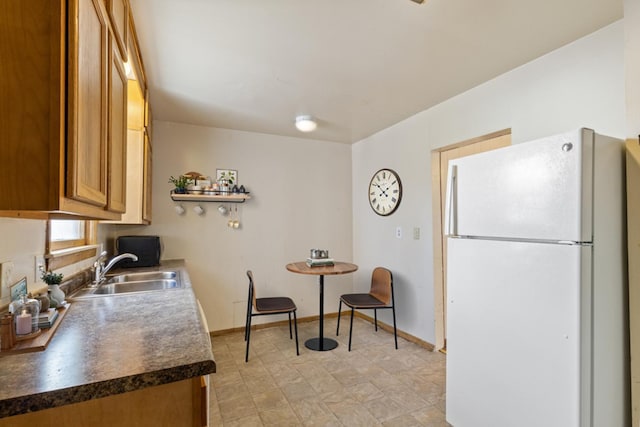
(31, 89)
(147, 114)
(87, 102)
(147, 187)
(178, 404)
(119, 16)
(117, 137)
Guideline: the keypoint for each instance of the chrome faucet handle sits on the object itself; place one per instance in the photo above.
(101, 257)
(98, 266)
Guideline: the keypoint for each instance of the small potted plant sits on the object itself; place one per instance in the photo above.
(56, 295)
(180, 184)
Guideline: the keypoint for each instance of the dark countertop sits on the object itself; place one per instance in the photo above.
(111, 345)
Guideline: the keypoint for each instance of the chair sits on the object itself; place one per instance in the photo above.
(380, 296)
(266, 306)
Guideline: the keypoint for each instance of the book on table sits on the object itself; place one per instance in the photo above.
(319, 262)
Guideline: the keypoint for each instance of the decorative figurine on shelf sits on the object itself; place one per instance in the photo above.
(56, 295)
(181, 183)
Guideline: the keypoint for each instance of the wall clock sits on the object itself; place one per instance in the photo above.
(385, 192)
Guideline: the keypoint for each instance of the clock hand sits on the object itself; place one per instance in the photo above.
(383, 192)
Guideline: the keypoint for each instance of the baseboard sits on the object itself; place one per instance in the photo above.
(269, 325)
(389, 328)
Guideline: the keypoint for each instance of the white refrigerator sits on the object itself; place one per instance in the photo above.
(537, 330)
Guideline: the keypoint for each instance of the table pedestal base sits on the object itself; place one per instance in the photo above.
(327, 344)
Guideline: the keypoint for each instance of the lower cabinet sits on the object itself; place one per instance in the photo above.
(180, 404)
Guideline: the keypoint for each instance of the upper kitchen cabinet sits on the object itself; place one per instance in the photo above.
(138, 139)
(87, 94)
(54, 109)
(138, 150)
(117, 137)
(119, 15)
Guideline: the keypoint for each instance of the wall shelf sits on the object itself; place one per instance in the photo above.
(224, 198)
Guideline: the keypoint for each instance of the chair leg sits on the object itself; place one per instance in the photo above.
(290, 334)
(295, 325)
(375, 317)
(395, 332)
(248, 333)
(350, 328)
(246, 324)
(338, 327)
(248, 319)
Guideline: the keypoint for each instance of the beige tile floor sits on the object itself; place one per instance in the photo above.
(373, 385)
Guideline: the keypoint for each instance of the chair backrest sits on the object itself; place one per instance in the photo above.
(382, 285)
(252, 290)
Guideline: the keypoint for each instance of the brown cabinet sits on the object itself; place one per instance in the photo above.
(54, 109)
(146, 182)
(181, 404)
(138, 162)
(87, 97)
(119, 16)
(138, 141)
(117, 137)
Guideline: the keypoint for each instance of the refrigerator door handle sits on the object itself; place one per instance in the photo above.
(451, 206)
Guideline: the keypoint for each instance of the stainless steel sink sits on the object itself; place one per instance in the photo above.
(137, 277)
(141, 286)
(152, 281)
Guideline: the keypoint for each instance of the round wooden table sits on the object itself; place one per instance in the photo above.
(321, 343)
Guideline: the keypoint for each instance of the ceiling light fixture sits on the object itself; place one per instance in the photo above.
(306, 123)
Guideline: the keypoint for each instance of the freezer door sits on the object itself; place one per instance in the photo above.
(514, 334)
(539, 190)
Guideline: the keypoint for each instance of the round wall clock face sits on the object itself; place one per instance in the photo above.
(385, 192)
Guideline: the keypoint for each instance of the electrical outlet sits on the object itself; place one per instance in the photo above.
(6, 272)
(416, 233)
(38, 267)
(399, 232)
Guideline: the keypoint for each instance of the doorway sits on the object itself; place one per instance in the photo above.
(439, 168)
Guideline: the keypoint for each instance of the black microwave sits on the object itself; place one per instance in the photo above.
(146, 248)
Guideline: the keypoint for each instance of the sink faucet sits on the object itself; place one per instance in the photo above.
(101, 270)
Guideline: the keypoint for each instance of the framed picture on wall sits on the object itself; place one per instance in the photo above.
(18, 288)
(229, 175)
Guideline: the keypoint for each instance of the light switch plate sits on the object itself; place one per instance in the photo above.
(6, 271)
(399, 232)
(37, 271)
(416, 233)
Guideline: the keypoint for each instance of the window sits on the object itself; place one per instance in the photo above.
(69, 241)
(66, 233)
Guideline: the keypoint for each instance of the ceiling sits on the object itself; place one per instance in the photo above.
(358, 66)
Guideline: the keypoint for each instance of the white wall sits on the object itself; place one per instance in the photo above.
(22, 240)
(301, 199)
(581, 84)
(632, 65)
